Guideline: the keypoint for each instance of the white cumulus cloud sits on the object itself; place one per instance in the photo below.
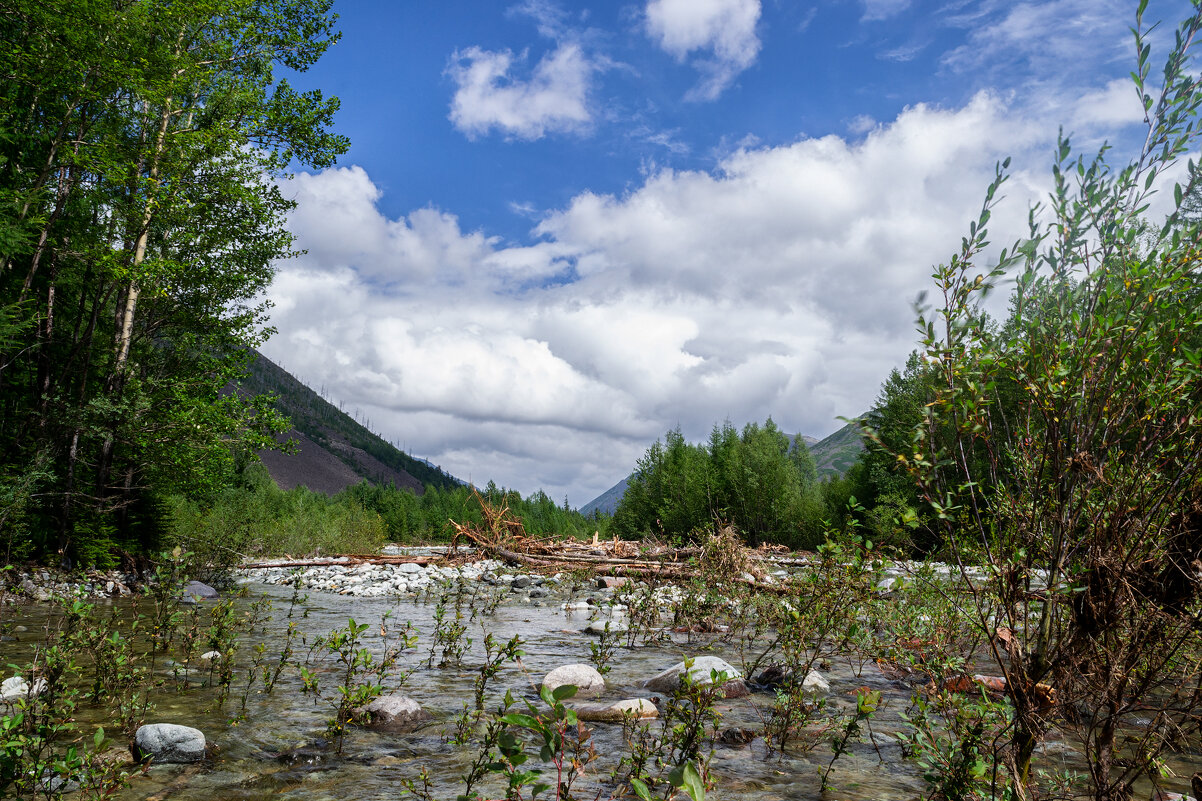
(779, 283)
(490, 94)
(724, 29)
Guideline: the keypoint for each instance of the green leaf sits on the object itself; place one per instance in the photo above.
(518, 719)
(564, 691)
(688, 779)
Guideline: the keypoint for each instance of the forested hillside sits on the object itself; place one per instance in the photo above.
(332, 450)
(838, 453)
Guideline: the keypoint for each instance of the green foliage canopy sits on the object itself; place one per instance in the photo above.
(759, 480)
(1064, 449)
(140, 143)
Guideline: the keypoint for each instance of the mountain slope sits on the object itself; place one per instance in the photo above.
(333, 450)
(607, 501)
(835, 454)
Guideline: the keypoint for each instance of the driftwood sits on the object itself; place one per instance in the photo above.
(643, 570)
(622, 568)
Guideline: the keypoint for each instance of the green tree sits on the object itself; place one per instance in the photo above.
(140, 147)
(882, 484)
(1063, 450)
(670, 492)
(758, 479)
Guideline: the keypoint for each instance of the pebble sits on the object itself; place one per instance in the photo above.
(616, 593)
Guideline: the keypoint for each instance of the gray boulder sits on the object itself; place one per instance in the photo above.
(598, 627)
(394, 713)
(630, 708)
(195, 591)
(585, 678)
(701, 674)
(169, 742)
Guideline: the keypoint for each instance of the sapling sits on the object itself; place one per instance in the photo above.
(564, 744)
(867, 704)
(601, 652)
(363, 674)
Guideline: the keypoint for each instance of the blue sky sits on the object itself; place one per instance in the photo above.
(564, 228)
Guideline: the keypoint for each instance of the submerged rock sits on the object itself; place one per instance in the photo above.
(585, 678)
(395, 713)
(737, 735)
(598, 627)
(169, 742)
(196, 591)
(779, 676)
(701, 674)
(630, 708)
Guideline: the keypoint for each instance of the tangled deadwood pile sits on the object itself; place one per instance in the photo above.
(503, 537)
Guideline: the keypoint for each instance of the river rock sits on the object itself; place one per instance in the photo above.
(597, 627)
(34, 591)
(700, 674)
(169, 742)
(395, 713)
(815, 683)
(635, 708)
(737, 735)
(587, 680)
(195, 591)
(14, 688)
(779, 676)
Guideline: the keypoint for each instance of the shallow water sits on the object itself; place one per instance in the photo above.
(249, 762)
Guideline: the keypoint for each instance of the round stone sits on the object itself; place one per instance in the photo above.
(585, 678)
(169, 742)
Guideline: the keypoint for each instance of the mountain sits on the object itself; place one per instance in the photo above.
(833, 456)
(607, 501)
(333, 450)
